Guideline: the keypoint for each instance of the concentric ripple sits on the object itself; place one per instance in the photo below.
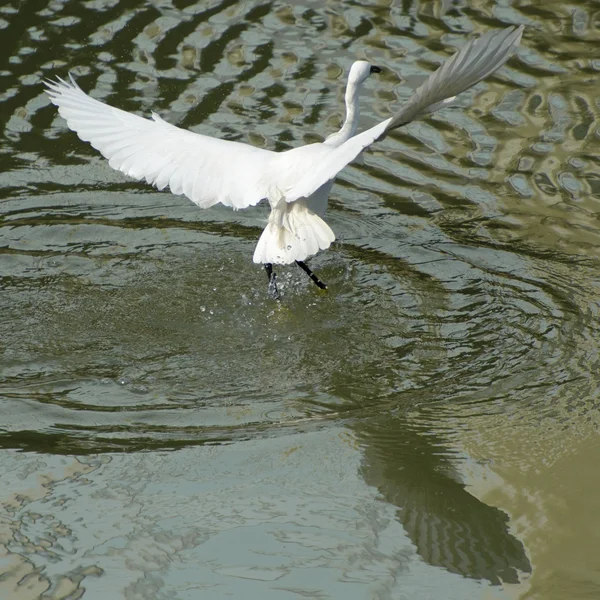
(463, 285)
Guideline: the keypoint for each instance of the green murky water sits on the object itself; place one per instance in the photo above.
(426, 429)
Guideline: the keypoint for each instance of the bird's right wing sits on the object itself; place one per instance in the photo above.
(472, 63)
(206, 169)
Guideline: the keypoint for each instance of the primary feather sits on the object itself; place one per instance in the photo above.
(206, 169)
(297, 182)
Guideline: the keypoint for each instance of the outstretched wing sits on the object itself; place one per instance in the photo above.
(475, 61)
(206, 169)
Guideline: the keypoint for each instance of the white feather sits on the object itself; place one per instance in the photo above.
(292, 233)
(165, 155)
(478, 59)
(297, 182)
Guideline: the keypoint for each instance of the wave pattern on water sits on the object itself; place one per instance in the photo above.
(463, 283)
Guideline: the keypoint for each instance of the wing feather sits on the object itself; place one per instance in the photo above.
(206, 169)
(475, 61)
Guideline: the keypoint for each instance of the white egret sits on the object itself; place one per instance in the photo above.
(295, 182)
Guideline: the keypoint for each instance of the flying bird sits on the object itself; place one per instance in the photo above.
(295, 182)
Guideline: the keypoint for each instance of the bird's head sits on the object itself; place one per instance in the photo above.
(360, 70)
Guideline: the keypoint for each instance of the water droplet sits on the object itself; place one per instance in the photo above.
(123, 381)
(202, 308)
(289, 247)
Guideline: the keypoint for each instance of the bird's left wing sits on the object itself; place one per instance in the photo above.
(472, 63)
(206, 169)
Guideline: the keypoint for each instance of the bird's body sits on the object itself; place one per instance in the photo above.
(295, 182)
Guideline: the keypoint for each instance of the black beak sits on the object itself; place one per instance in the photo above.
(375, 69)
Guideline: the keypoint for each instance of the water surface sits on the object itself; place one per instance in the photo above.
(425, 429)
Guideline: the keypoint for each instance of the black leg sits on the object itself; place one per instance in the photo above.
(315, 279)
(272, 281)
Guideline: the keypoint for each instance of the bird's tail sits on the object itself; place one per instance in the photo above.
(293, 232)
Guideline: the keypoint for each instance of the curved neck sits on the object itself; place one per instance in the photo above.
(351, 122)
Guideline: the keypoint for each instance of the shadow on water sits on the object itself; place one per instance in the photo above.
(414, 469)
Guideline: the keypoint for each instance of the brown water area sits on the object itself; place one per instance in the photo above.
(425, 429)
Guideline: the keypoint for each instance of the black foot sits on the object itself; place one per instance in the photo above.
(273, 291)
(315, 279)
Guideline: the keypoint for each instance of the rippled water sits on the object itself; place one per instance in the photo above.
(425, 429)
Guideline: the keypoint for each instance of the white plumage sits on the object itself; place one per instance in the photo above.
(297, 182)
